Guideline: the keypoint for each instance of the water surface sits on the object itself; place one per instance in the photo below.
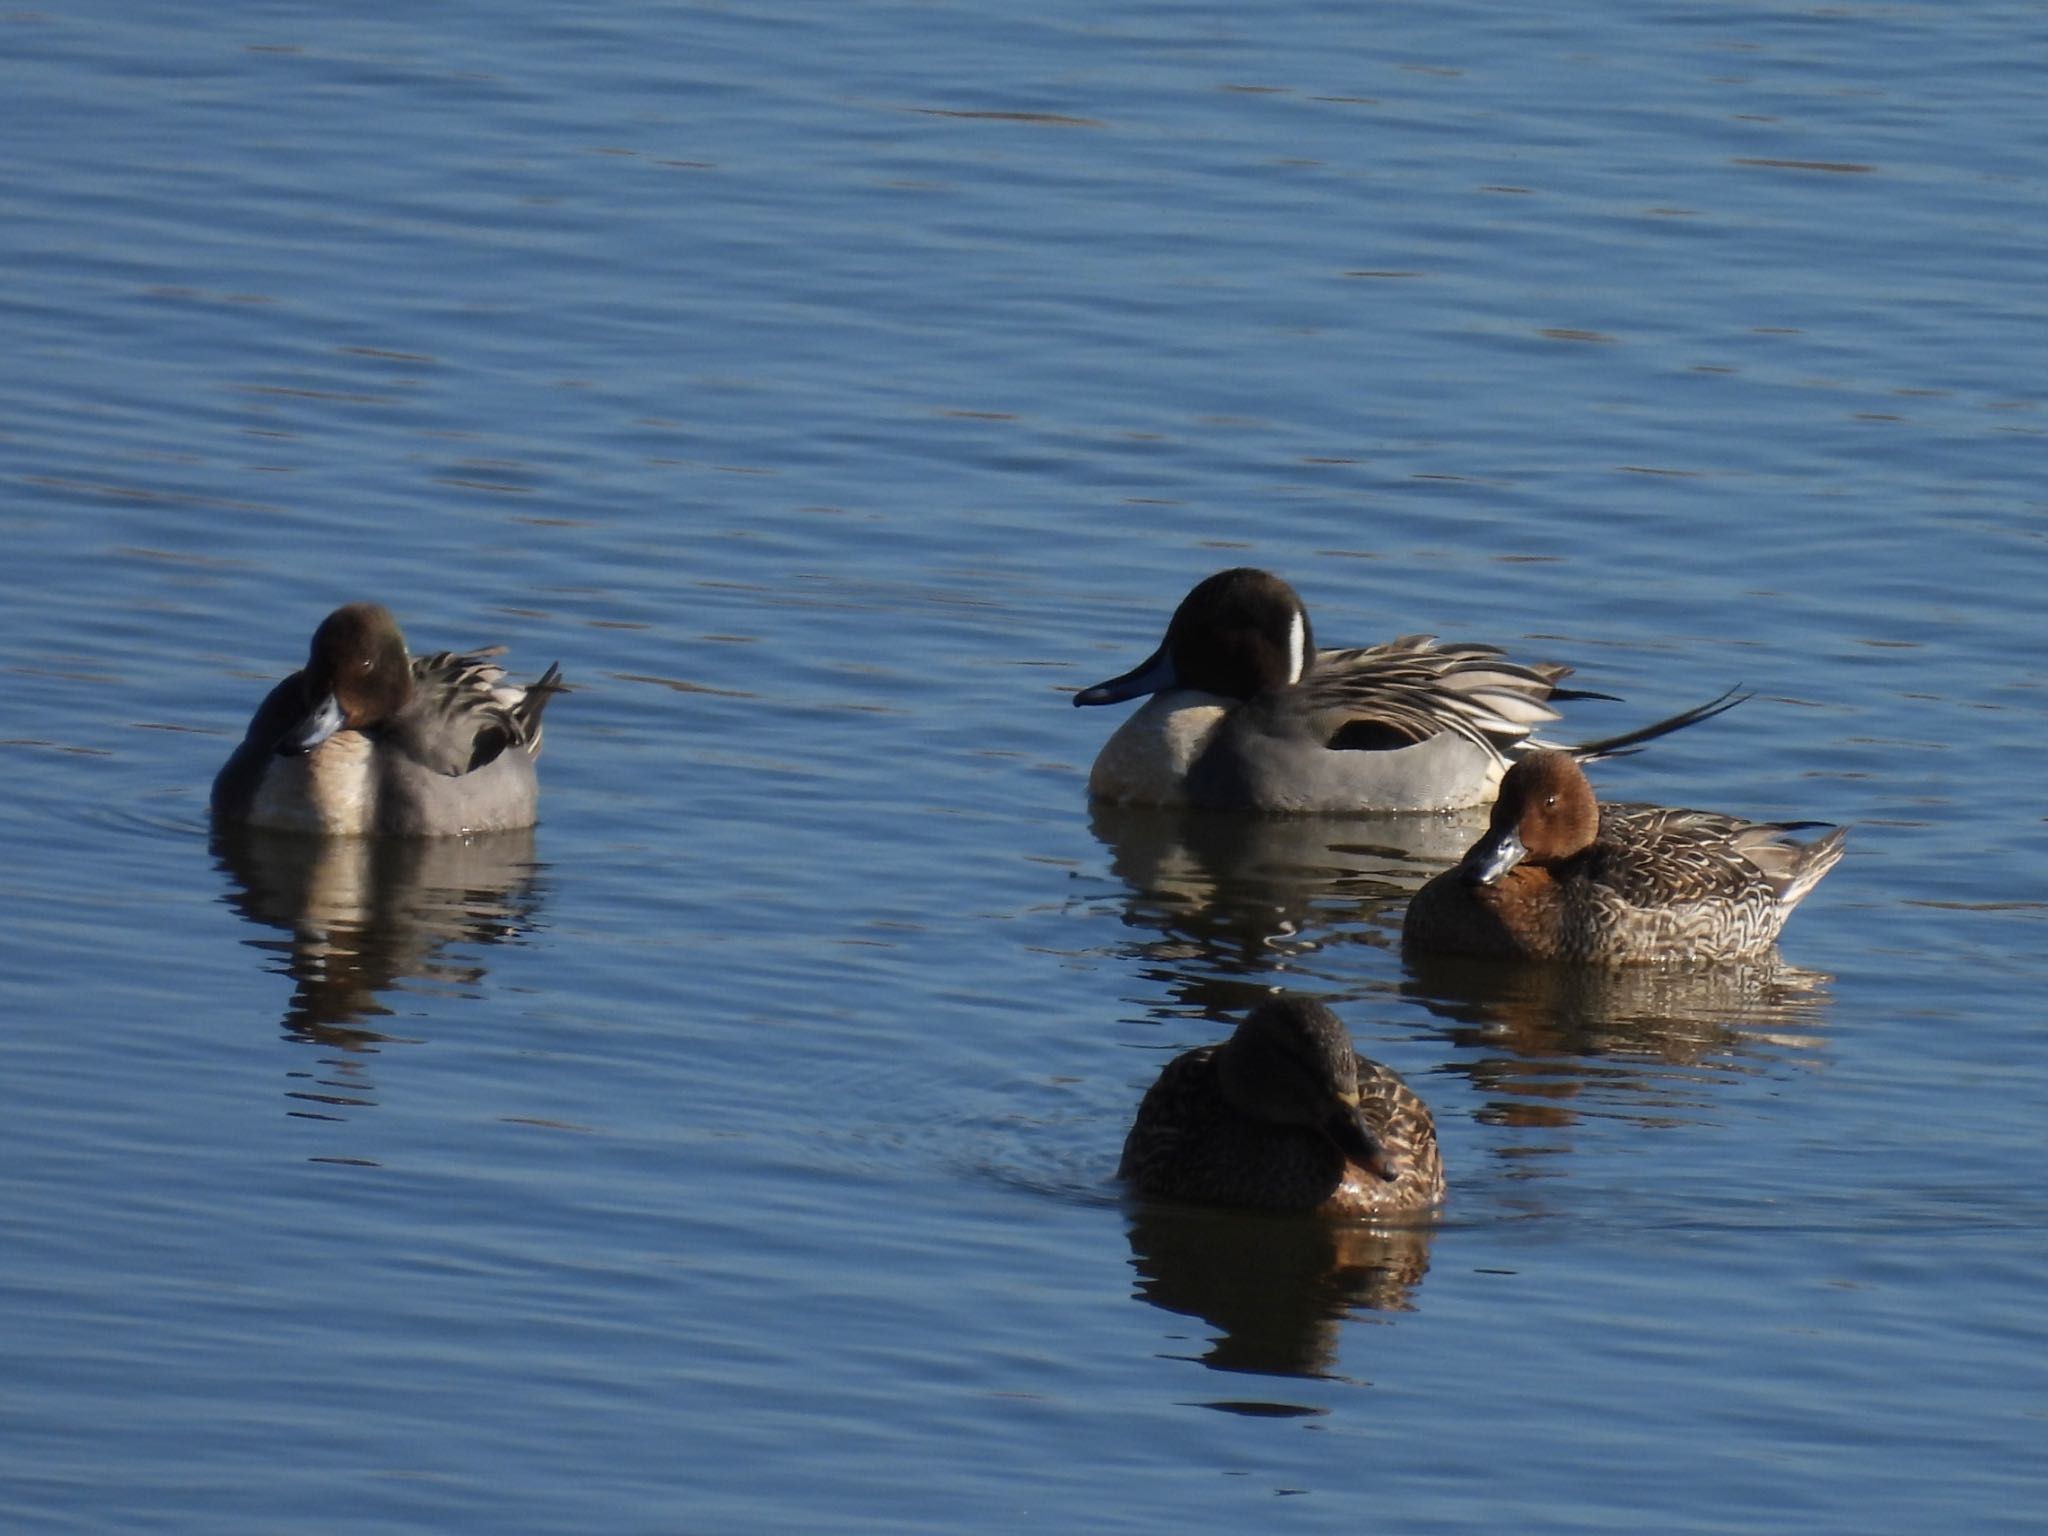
(834, 389)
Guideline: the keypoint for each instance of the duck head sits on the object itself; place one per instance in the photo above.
(1544, 814)
(1291, 1063)
(357, 676)
(1236, 634)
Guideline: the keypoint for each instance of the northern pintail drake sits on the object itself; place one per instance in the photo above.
(1558, 876)
(369, 741)
(1285, 1116)
(1246, 714)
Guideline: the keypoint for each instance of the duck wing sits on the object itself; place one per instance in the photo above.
(463, 715)
(1406, 690)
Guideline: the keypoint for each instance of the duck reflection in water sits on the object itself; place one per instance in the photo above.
(1246, 895)
(367, 918)
(1550, 1042)
(1275, 1288)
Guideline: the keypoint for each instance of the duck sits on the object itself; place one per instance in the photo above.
(1285, 1116)
(1246, 714)
(1559, 876)
(366, 740)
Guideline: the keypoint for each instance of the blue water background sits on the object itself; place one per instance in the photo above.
(833, 388)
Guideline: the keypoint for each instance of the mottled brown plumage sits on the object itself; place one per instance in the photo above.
(1560, 877)
(1285, 1115)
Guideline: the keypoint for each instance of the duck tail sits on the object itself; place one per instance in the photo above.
(1815, 859)
(1630, 742)
(1566, 695)
(534, 700)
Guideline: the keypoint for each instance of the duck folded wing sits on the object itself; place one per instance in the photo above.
(464, 716)
(1407, 690)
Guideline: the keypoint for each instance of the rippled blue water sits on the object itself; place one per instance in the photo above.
(833, 388)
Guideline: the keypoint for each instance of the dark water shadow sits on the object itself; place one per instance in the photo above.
(1216, 904)
(1548, 1043)
(1276, 1289)
(363, 919)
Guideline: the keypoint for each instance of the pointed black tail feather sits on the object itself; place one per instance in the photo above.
(1566, 695)
(538, 692)
(1630, 742)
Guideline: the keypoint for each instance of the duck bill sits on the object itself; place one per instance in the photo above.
(1492, 856)
(1151, 675)
(321, 722)
(1347, 1129)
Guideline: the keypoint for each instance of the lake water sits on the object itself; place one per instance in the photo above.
(833, 388)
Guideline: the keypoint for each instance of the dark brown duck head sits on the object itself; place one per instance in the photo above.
(1545, 814)
(1291, 1063)
(357, 676)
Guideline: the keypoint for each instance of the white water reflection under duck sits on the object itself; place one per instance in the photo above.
(373, 928)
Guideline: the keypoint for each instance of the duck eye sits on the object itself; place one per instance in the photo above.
(1550, 802)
